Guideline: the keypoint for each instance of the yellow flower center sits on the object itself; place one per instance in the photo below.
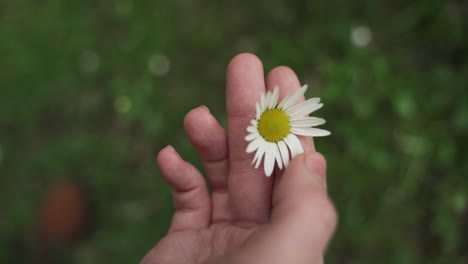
(273, 125)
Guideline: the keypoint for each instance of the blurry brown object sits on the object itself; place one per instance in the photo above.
(63, 214)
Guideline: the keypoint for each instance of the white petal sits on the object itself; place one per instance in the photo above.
(251, 137)
(307, 121)
(276, 150)
(262, 101)
(294, 145)
(255, 157)
(254, 145)
(306, 110)
(286, 98)
(293, 99)
(274, 97)
(254, 122)
(269, 162)
(267, 100)
(252, 129)
(259, 156)
(310, 131)
(284, 153)
(308, 103)
(258, 110)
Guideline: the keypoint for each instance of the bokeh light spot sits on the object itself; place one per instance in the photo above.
(88, 62)
(361, 36)
(159, 64)
(123, 104)
(459, 202)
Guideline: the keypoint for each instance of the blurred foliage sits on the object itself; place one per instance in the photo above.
(91, 90)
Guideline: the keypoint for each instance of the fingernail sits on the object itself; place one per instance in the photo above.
(311, 162)
(206, 107)
(171, 148)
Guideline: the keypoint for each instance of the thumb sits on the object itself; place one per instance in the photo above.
(302, 221)
(302, 212)
(300, 197)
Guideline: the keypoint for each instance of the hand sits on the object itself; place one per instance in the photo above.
(248, 218)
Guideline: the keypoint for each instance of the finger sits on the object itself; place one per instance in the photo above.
(191, 200)
(301, 200)
(209, 139)
(303, 218)
(287, 81)
(249, 189)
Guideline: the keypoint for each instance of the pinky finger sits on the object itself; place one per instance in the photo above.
(189, 191)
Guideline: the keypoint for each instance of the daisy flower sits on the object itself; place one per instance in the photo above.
(273, 133)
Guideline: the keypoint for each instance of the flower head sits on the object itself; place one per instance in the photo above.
(273, 132)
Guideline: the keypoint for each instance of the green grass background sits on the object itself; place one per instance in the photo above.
(78, 100)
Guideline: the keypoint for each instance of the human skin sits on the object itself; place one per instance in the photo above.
(247, 217)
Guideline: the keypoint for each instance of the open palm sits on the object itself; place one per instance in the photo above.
(237, 212)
